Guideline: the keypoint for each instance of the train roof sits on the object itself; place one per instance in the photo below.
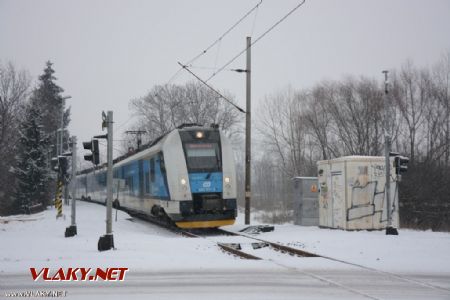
(140, 152)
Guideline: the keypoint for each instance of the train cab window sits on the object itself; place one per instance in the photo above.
(203, 157)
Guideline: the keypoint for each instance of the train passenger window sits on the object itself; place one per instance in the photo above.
(162, 163)
(152, 169)
(147, 183)
(130, 184)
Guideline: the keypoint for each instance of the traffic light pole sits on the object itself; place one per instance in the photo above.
(109, 180)
(106, 242)
(387, 149)
(72, 229)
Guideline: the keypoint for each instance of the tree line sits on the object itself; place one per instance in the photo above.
(296, 128)
(345, 117)
(29, 123)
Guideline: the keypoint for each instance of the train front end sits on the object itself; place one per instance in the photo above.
(210, 182)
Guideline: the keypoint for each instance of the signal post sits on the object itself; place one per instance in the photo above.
(72, 229)
(106, 242)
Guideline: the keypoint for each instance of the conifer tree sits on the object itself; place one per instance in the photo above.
(48, 97)
(32, 170)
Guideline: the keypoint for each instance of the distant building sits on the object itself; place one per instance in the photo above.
(306, 201)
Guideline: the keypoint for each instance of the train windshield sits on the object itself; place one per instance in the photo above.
(202, 157)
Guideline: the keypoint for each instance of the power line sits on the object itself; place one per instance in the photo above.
(211, 88)
(124, 123)
(205, 68)
(224, 34)
(257, 39)
(218, 40)
(254, 22)
(105, 144)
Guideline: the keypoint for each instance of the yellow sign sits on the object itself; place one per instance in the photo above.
(313, 188)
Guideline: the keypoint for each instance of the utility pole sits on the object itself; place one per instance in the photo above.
(61, 146)
(72, 229)
(61, 149)
(61, 132)
(138, 134)
(248, 134)
(387, 149)
(106, 242)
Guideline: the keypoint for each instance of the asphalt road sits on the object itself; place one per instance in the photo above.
(229, 284)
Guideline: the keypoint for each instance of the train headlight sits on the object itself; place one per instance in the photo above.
(183, 181)
(199, 134)
(227, 179)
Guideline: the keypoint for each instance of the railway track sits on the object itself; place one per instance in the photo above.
(234, 248)
(301, 253)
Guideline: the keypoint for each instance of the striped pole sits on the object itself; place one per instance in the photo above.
(58, 200)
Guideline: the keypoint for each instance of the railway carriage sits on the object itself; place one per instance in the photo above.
(187, 176)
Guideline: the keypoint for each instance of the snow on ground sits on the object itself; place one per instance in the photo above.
(38, 241)
(409, 252)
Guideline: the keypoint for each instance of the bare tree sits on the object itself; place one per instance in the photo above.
(319, 121)
(282, 126)
(166, 107)
(345, 117)
(441, 91)
(410, 97)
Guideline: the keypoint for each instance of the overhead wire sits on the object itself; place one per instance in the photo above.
(218, 40)
(224, 34)
(211, 88)
(217, 55)
(254, 22)
(196, 57)
(105, 144)
(124, 123)
(256, 40)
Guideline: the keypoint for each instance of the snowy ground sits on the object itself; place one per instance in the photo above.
(166, 266)
(409, 252)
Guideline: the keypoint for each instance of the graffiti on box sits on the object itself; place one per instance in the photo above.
(365, 195)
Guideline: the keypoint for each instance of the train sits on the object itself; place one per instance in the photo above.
(186, 177)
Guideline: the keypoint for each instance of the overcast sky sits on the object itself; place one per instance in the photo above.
(108, 52)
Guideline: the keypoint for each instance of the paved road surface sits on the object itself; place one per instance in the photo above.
(226, 284)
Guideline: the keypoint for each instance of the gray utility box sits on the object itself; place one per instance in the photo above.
(352, 193)
(306, 201)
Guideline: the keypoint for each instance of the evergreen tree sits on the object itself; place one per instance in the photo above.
(32, 170)
(48, 97)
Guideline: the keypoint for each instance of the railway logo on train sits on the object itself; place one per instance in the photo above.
(186, 177)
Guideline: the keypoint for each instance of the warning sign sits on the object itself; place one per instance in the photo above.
(313, 188)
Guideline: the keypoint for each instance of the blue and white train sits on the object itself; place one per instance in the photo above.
(187, 176)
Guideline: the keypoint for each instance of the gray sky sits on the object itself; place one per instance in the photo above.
(108, 52)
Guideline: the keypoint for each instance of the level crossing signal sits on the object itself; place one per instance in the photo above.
(94, 156)
(60, 164)
(401, 164)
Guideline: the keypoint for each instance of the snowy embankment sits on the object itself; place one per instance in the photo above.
(38, 241)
